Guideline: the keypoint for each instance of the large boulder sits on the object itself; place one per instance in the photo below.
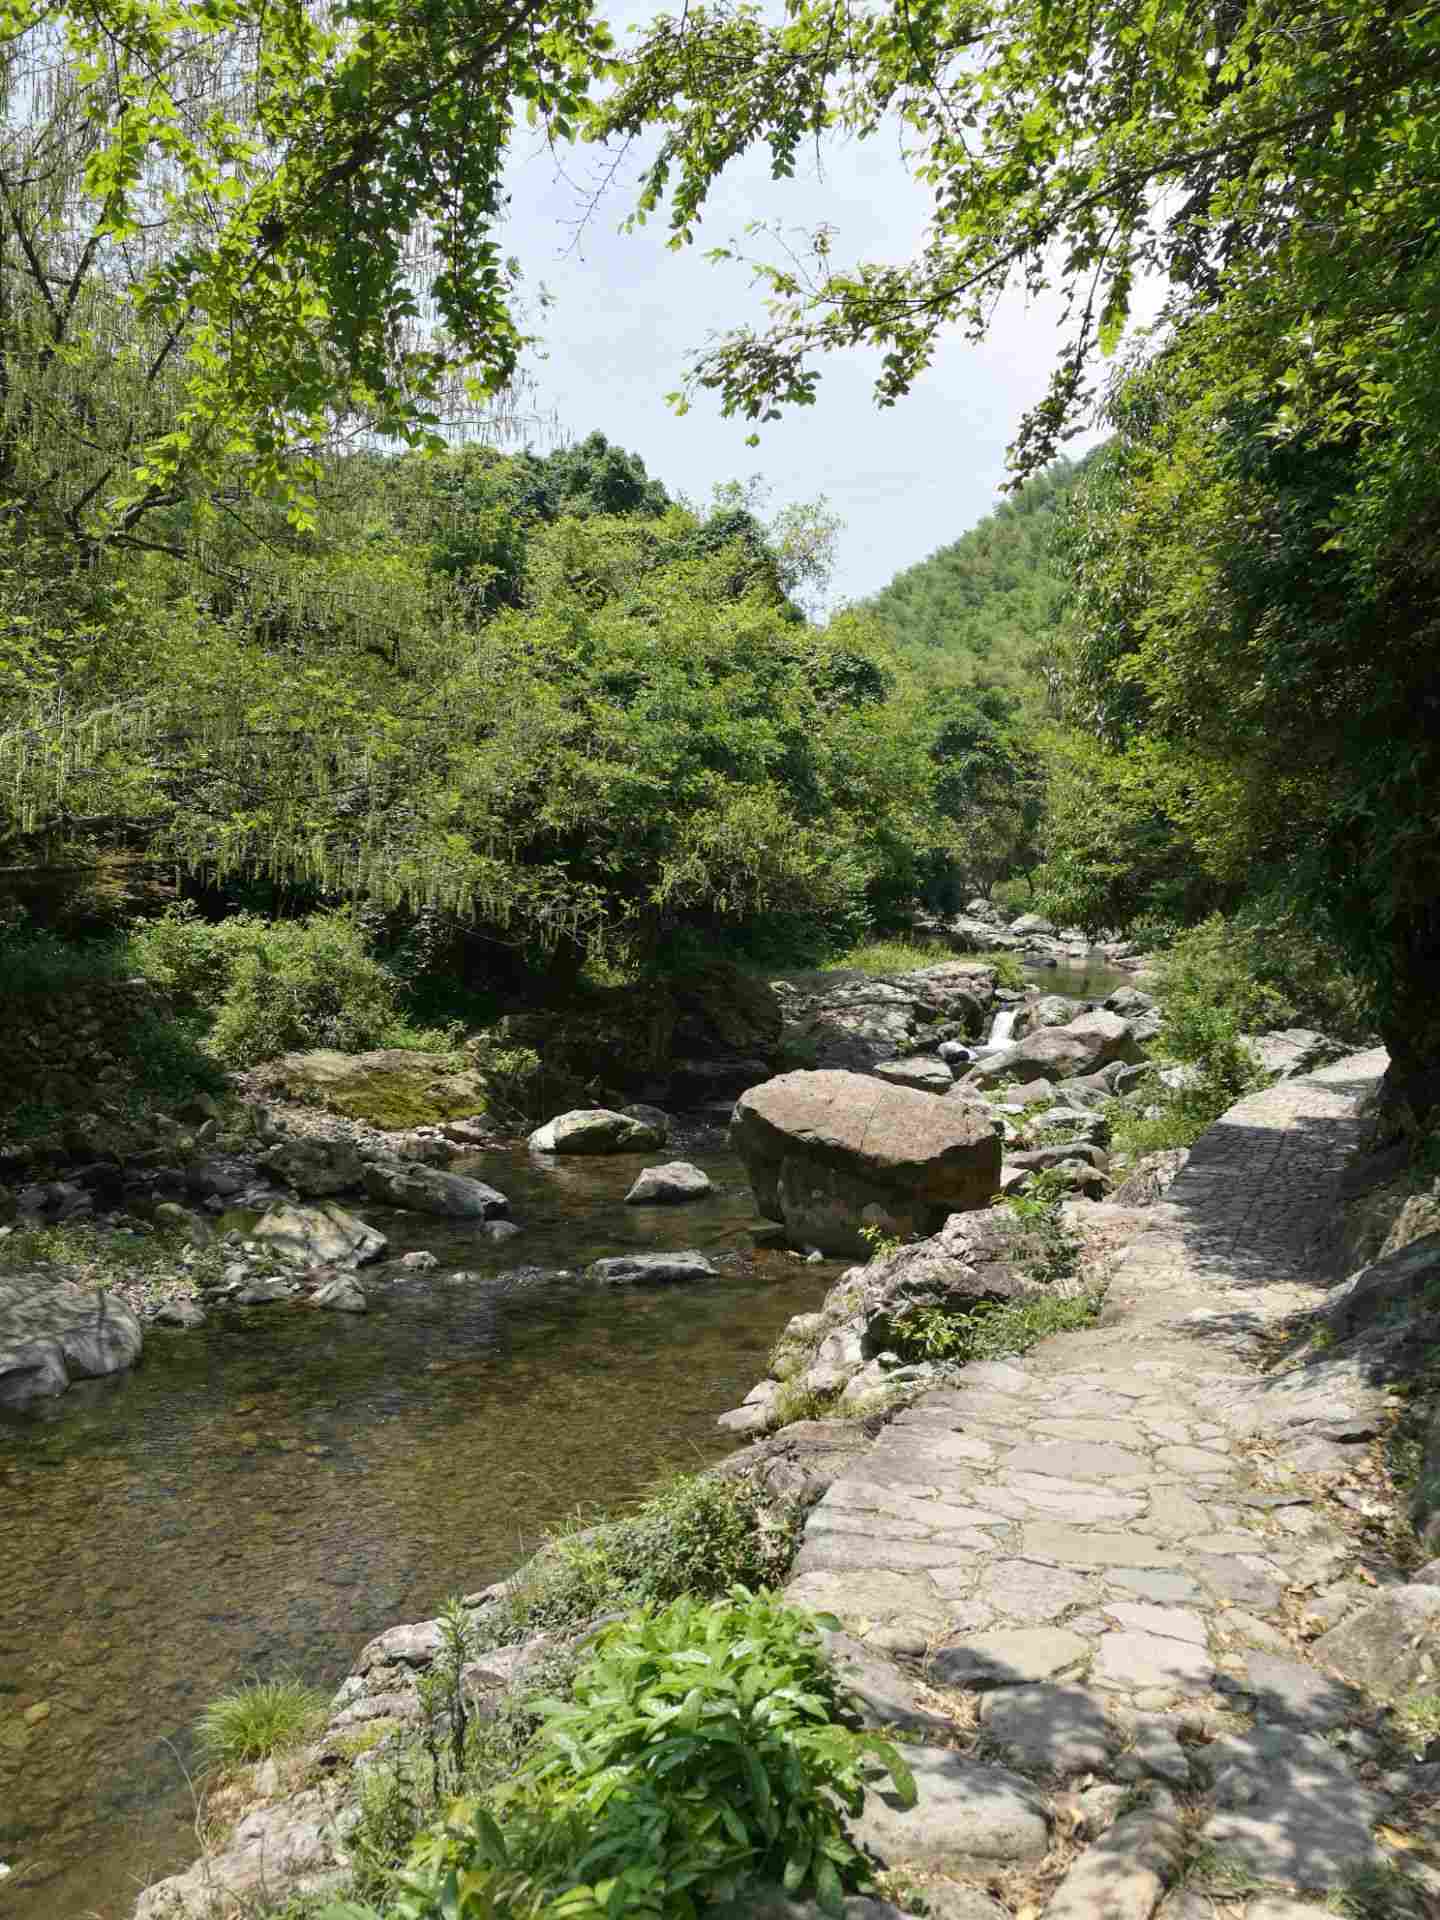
(595, 1130)
(830, 1154)
(1094, 1041)
(427, 1190)
(322, 1234)
(391, 1087)
(1391, 1647)
(1387, 1289)
(53, 1332)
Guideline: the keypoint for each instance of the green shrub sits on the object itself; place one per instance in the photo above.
(704, 1748)
(1253, 971)
(698, 1534)
(992, 1329)
(33, 960)
(261, 1718)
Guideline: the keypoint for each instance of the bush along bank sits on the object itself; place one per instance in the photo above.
(633, 1723)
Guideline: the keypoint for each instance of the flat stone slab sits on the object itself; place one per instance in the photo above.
(1290, 1809)
(1136, 1660)
(1298, 1695)
(1048, 1540)
(963, 1812)
(1077, 1461)
(1008, 1658)
(1171, 1623)
(1232, 1580)
(1155, 1584)
(886, 1696)
(1030, 1593)
(899, 1611)
(1048, 1729)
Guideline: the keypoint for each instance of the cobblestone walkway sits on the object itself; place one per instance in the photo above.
(1115, 1560)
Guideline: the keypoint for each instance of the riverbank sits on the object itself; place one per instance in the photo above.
(1139, 1601)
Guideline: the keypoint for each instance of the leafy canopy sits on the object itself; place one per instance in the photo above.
(1261, 147)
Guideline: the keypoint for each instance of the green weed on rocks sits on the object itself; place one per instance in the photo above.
(697, 1535)
(704, 1747)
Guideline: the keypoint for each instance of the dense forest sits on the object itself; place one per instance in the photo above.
(265, 619)
(986, 612)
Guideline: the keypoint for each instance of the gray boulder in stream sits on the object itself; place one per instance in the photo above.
(677, 1180)
(1083, 1047)
(428, 1190)
(594, 1130)
(649, 1269)
(53, 1332)
(320, 1235)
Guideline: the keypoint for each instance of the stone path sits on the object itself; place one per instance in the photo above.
(1114, 1559)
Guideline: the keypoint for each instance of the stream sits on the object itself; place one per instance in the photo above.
(265, 1494)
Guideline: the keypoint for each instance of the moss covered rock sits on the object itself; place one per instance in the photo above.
(391, 1087)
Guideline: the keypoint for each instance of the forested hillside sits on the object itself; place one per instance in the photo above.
(984, 612)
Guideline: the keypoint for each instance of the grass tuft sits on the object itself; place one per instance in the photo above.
(257, 1720)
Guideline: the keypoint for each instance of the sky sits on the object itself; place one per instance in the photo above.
(628, 313)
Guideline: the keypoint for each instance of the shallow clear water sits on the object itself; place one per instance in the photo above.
(270, 1491)
(1091, 980)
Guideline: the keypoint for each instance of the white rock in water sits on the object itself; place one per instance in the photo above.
(594, 1130)
(675, 1181)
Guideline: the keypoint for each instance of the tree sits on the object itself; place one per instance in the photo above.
(1262, 687)
(1270, 151)
(985, 612)
(235, 231)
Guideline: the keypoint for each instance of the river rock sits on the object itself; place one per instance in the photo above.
(1150, 1178)
(926, 1076)
(655, 1118)
(641, 1269)
(972, 1258)
(342, 1294)
(53, 1332)
(428, 1190)
(1050, 1010)
(1094, 1041)
(314, 1166)
(1032, 923)
(321, 1234)
(188, 1314)
(665, 1185)
(291, 1847)
(830, 1153)
(594, 1130)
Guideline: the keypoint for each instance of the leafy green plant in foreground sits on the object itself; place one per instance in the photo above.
(704, 1748)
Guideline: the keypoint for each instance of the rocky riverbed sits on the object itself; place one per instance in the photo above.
(1141, 1605)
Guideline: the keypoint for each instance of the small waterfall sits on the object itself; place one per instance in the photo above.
(1002, 1027)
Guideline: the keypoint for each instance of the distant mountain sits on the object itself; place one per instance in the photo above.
(984, 611)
